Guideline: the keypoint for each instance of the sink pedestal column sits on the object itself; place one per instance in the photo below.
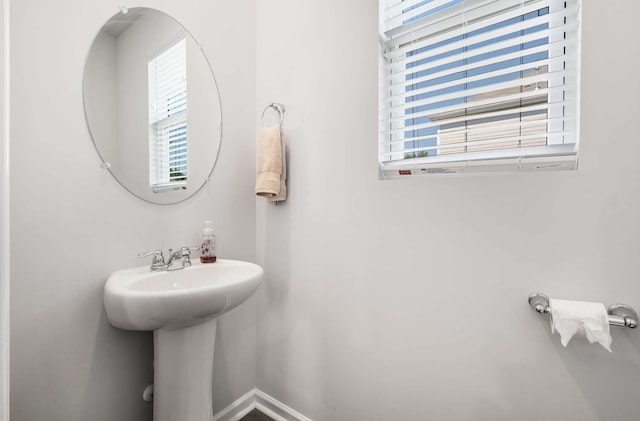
(183, 367)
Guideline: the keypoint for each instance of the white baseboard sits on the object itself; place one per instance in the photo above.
(264, 403)
(238, 409)
(276, 409)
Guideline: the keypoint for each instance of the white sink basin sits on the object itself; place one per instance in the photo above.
(181, 307)
(139, 299)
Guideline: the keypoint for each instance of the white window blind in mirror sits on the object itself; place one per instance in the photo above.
(168, 118)
(478, 85)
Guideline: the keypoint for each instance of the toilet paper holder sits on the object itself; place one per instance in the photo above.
(619, 314)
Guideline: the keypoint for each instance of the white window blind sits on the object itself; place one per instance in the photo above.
(168, 118)
(478, 85)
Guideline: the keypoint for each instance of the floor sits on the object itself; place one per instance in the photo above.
(256, 415)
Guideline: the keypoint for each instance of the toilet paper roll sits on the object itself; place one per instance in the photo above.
(569, 318)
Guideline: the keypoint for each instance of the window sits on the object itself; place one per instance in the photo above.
(168, 118)
(478, 85)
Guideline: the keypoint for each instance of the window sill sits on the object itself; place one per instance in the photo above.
(430, 167)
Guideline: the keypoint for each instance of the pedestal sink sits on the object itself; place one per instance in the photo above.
(181, 308)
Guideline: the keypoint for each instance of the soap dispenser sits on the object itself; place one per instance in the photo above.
(208, 249)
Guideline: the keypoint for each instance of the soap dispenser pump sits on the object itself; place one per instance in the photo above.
(208, 249)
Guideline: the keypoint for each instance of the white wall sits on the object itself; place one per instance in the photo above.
(72, 224)
(408, 300)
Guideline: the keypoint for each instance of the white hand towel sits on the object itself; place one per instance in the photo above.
(269, 158)
(571, 317)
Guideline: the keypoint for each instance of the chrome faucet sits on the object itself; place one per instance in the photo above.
(158, 263)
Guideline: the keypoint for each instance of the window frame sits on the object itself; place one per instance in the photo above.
(532, 158)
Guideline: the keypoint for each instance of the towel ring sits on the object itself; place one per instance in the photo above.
(280, 108)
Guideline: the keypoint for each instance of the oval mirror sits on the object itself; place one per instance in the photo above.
(152, 106)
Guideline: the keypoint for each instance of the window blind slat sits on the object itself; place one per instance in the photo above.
(399, 131)
(396, 17)
(434, 84)
(464, 108)
(398, 70)
(522, 139)
(533, 139)
(493, 89)
(501, 126)
(468, 36)
(449, 15)
(455, 26)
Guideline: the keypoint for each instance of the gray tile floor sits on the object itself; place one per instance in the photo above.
(256, 415)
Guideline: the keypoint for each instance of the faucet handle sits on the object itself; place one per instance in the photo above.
(186, 250)
(186, 254)
(158, 257)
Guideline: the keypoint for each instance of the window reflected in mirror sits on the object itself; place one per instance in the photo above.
(168, 118)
